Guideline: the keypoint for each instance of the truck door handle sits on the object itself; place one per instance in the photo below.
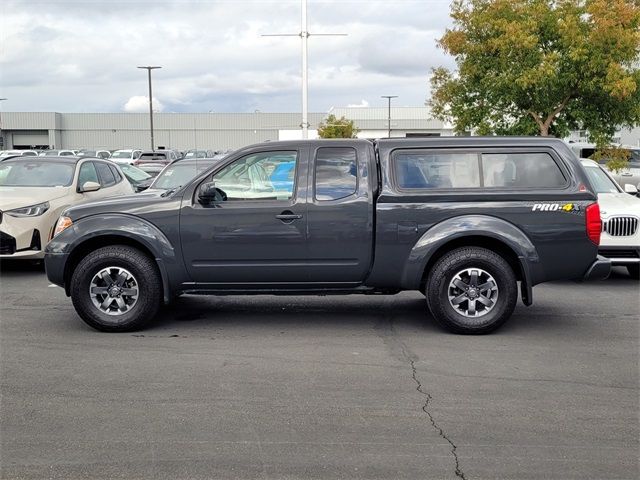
(288, 216)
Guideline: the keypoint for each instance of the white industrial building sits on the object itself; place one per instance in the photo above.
(22, 130)
(216, 131)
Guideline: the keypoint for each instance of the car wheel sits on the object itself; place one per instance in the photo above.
(471, 290)
(116, 289)
(634, 271)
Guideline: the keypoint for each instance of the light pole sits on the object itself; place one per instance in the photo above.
(148, 69)
(1, 137)
(389, 97)
(304, 35)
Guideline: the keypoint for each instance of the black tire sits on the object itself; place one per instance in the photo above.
(147, 282)
(634, 271)
(438, 290)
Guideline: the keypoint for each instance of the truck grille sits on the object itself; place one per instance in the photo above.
(620, 226)
(7, 244)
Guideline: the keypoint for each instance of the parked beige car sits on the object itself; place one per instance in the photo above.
(35, 190)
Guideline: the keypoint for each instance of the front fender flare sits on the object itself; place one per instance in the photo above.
(465, 226)
(122, 225)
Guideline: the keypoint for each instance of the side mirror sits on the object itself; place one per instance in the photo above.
(89, 187)
(208, 193)
(630, 189)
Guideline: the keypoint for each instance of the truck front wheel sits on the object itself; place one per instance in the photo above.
(471, 290)
(116, 289)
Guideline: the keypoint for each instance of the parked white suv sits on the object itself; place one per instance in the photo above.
(125, 156)
(627, 176)
(35, 190)
(620, 213)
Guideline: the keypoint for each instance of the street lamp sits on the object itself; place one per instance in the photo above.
(1, 136)
(389, 97)
(148, 69)
(304, 35)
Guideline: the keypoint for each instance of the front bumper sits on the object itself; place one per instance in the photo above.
(25, 237)
(599, 269)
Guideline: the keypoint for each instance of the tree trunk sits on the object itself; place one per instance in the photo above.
(544, 130)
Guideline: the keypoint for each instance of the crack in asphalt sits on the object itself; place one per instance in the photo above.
(459, 473)
(401, 352)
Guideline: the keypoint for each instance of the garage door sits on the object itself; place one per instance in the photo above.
(29, 139)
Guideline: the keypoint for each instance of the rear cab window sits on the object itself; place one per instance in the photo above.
(335, 173)
(476, 169)
(106, 175)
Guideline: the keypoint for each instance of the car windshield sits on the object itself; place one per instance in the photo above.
(178, 174)
(121, 154)
(196, 155)
(36, 174)
(601, 181)
(134, 173)
(153, 156)
(634, 159)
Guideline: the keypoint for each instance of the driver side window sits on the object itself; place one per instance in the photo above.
(259, 176)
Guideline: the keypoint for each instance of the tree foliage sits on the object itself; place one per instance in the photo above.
(527, 67)
(334, 127)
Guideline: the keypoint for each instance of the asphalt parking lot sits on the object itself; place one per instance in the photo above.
(321, 387)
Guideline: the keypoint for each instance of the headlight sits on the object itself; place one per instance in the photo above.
(62, 224)
(32, 211)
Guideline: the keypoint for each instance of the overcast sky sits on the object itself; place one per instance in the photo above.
(80, 55)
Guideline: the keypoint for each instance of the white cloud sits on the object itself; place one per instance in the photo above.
(138, 104)
(213, 56)
(362, 104)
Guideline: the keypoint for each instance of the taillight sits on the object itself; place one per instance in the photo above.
(594, 223)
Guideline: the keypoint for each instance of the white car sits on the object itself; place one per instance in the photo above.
(125, 156)
(620, 213)
(15, 153)
(629, 175)
(35, 190)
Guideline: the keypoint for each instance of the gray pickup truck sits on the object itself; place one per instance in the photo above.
(460, 219)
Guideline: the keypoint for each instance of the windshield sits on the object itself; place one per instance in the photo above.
(196, 155)
(134, 173)
(153, 156)
(35, 174)
(601, 181)
(121, 154)
(634, 159)
(178, 174)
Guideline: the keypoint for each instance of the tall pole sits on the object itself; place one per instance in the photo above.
(304, 35)
(389, 97)
(148, 69)
(1, 137)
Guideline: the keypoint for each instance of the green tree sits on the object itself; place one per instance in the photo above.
(334, 127)
(541, 67)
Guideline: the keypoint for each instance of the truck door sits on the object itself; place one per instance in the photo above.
(340, 214)
(256, 235)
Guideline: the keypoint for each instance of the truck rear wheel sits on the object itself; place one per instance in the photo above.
(471, 290)
(116, 289)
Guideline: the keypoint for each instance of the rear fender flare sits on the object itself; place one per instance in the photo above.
(465, 226)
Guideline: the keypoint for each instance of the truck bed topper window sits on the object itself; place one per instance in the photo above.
(432, 170)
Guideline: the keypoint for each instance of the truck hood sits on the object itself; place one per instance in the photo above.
(19, 197)
(618, 204)
(132, 204)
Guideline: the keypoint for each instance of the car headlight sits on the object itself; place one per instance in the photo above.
(32, 211)
(62, 224)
